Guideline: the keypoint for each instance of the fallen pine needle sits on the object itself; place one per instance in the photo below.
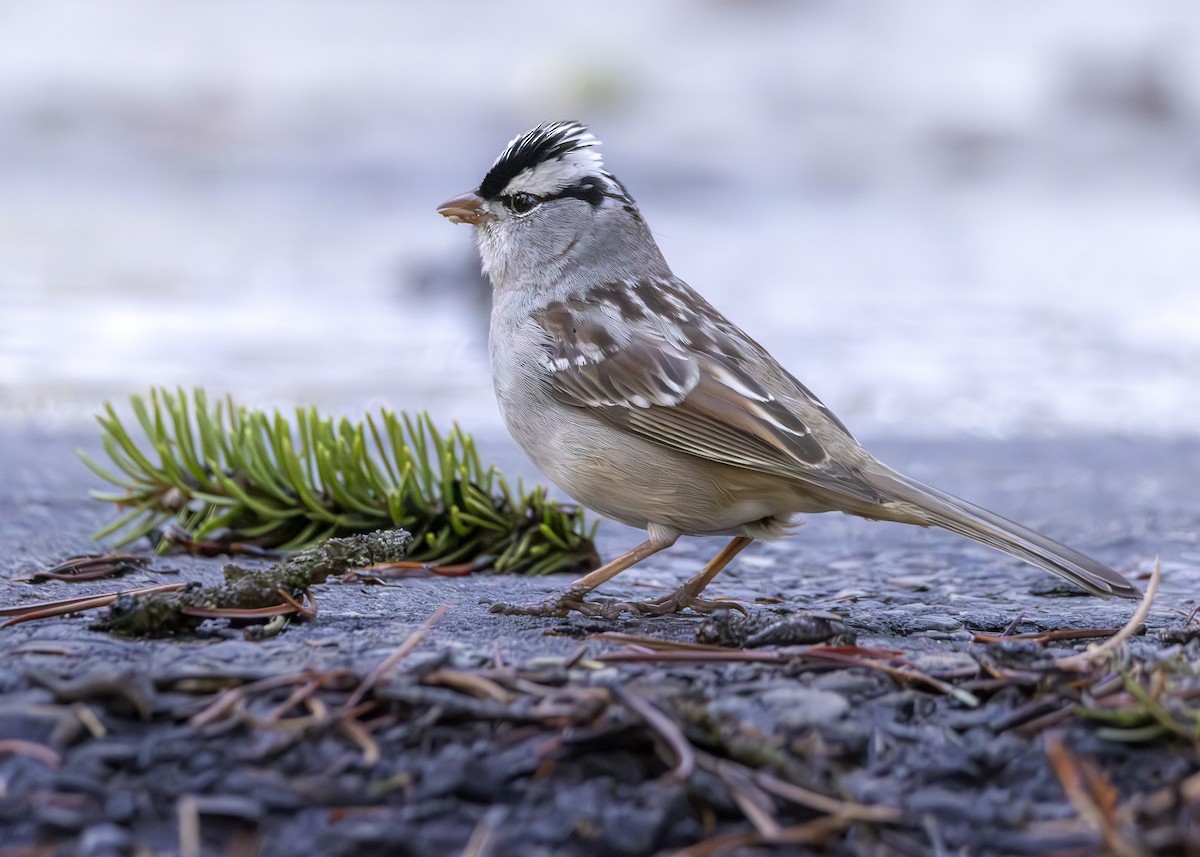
(723, 844)
(1046, 636)
(754, 803)
(1081, 661)
(32, 750)
(901, 675)
(309, 612)
(188, 812)
(639, 654)
(1092, 795)
(802, 796)
(482, 837)
(666, 729)
(355, 731)
(92, 567)
(656, 644)
(414, 639)
(237, 612)
(476, 685)
(29, 612)
(89, 720)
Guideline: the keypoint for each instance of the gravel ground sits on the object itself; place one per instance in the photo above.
(514, 735)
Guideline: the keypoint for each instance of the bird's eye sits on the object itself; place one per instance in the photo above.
(522, 203)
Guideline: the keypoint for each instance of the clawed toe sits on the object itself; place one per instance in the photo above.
(546, 607)
(572, 600)
(561, 605)
(678, 601)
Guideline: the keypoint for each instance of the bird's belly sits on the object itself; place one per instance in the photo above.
(637, 482)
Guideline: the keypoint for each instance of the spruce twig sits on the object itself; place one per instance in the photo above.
(252, 590)
(224, 470)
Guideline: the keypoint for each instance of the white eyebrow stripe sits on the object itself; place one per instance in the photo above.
(552, 176)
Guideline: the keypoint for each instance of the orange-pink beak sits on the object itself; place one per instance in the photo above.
(467, 208)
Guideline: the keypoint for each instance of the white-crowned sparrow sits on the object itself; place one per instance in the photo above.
(645, 404)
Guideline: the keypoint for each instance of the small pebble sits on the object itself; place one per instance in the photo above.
(913, 582)
(105, 840)
(728, 628)
(938, 663)
(805, 706)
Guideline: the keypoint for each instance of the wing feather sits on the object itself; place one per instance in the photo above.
(640, 377)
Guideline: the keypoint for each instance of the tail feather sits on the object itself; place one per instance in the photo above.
(987, 528)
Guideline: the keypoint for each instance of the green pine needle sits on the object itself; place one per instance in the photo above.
(253, 476)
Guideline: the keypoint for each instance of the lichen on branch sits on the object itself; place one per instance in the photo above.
(167, 613)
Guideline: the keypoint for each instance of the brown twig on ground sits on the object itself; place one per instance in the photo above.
(1035, 725)
(255, 589)
(300, 694)
(901, 674)
(482, 837)
(1011, 627)
(656, 644)
(718, 845)
(666, 730)
(1192, 614)
(1046, 636)
(382, 572)
(1092, 795)
(31, 749)
(238, 612)
(224, 542)
(754, 803)
(63, 606)
(800, 795)
(188, 812)
(749, 787)
(133, 687)
(246, 594)
(231, 697)
(478, 686)
(361, 736)
(688, 656)
(648, 650)
(307, 612)
(414, 639)
(92, 567)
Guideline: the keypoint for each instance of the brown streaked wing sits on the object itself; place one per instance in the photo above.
(638, 374)
(702, 404)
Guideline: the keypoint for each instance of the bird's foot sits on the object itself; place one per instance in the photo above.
(572, 600)
(562, 605)
(678, 601)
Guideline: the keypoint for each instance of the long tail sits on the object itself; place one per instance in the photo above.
(988, 528)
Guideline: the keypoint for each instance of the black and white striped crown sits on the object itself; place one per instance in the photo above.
(552, 156)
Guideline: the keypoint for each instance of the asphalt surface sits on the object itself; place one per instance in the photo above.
(921, 592)
(1124, 501)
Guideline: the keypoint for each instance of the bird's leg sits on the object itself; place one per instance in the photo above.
(572, 597)
(686, 595)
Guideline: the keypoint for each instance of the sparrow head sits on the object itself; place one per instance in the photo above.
(547, 209)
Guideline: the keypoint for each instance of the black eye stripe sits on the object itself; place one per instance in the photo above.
(590, 191)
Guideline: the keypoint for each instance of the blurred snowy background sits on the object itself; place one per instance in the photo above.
(961, 218)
